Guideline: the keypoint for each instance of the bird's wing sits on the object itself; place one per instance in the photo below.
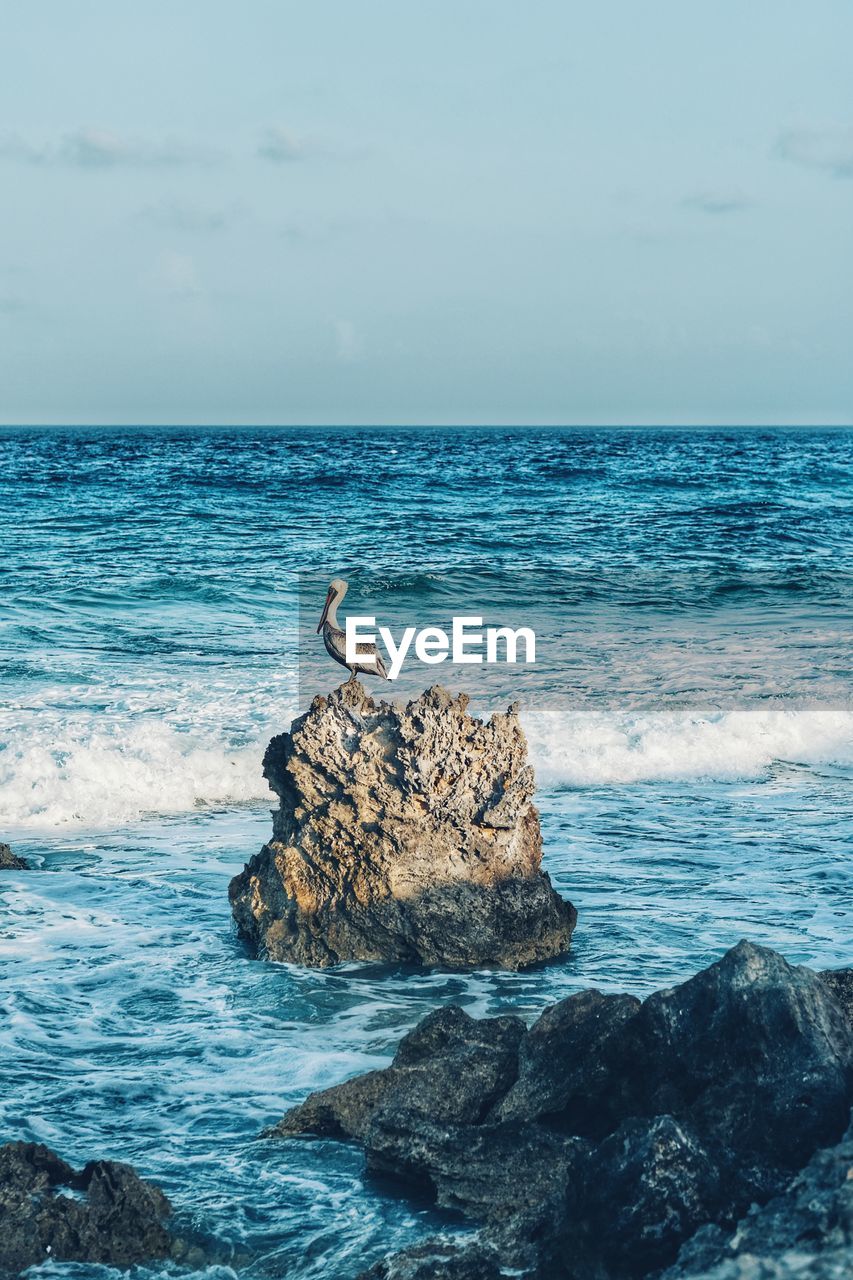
(336, 643)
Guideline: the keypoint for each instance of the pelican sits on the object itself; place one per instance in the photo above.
(335, 640)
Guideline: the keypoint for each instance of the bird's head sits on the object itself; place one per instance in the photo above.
(337, 591)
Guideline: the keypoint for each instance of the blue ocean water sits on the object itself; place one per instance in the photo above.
(691, 725)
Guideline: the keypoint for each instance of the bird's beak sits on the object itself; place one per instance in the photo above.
(329, 597)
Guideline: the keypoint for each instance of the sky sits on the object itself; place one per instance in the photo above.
(462, 211)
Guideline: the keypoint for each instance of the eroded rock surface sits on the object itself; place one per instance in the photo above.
(10, 861)
(403, 834)
(105, 1213)
(599, 1141)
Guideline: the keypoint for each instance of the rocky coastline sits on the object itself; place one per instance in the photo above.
(616, 1139)
(703, 1133)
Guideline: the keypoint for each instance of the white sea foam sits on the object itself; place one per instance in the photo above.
(596, 748)
(96, 771)
(102, 775)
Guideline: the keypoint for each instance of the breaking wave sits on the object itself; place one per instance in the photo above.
(591, 748)
(98, 774)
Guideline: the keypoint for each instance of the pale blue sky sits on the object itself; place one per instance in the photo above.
(466, 211)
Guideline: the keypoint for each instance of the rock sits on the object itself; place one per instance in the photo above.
(403, 834)
(597, 1142)
(10, 861)
(646, 1189)
(755, 1054)
(807, 1231)
(840, 983)
(418, 1120)
(566, 1058)
(442, 1258)
(826, 1265)
(477, 1058)
(105, 1213)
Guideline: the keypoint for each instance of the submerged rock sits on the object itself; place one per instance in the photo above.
(403, 834)
(10, 861)
(599, 1141)
(105, 1213)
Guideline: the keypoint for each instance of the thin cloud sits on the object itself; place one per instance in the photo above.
(99, 149)
(717, 203)
(828, 150)
(281, 146)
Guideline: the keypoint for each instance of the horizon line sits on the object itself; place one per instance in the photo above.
(429, 426)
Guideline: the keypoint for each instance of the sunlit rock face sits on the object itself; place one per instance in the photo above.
(403, 834)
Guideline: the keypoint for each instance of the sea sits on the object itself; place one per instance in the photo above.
(690, 721)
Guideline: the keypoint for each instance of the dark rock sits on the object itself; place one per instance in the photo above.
(105, 1213)
(646, 1189)
(754, 1051)
(755, 1054)
(449, 1070)
(826, 1265)
(807, 1231)
(499, 1174)
(599, 1141)
(567, 1059)
(9, 861)
(439, 1259)
(840, 983)
(403, 834)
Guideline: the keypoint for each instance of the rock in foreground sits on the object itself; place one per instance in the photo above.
(10, 861)
(599, 1141)
(403, 834)
(805, 1233)
(105, 1213)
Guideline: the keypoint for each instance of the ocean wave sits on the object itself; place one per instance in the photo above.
(578, 748)
(97, 773)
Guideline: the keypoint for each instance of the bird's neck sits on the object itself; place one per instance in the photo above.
(332, 615)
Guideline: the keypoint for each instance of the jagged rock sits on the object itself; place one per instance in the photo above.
(403, 834)
(419, 1122)
(645, 1189)
(754, 1053)
(568, 1057)
(807, 1231)
(10, 861)
(600, 1140)
(105, 1213)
